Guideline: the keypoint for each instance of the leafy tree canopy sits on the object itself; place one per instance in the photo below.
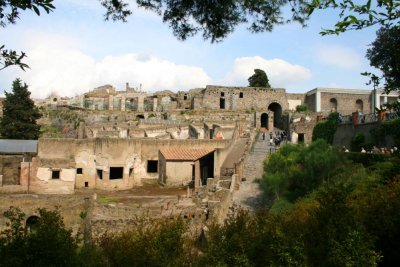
(19, 114)
(49, 244)
(357, 15)
(214, 19)
(9, 13)
(259, 79)
(384, 55)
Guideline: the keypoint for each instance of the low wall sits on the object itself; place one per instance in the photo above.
(345, 132)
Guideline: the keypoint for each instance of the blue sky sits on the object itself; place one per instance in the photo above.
(73, 50)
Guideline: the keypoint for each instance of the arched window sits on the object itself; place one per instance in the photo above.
(359, 105)
(333, 104)
(32, 224)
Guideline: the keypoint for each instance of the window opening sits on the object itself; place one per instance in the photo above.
(152, 166)
(116, 173)
(55, 174)
(100, 174)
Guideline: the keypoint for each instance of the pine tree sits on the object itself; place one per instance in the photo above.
(19, 114)
(259, 79)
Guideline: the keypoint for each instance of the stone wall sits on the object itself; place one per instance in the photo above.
(243, 98)
(346, 103)
(10, 169)
(95, 157)
(345, 132)
(70, 207)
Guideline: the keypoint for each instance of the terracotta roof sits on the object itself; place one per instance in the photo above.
(185, 154)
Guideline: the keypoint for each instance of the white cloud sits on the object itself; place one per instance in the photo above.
(280, 73)
(63, 69)
(338, 56)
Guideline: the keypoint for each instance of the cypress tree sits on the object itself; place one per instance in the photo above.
(19, 114)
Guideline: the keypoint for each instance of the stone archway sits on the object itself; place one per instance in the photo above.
(277, 109)
(32, 224)
(264, 120)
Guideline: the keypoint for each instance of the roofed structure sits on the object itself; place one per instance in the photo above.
(185, 154)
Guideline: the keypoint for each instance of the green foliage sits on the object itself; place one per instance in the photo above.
(384, 55)
(9, 13)
(259, 79)
(326, 129)
(301, 108)
(50, 244)
(247, 240)
(154, 243)
(366, 159)
(50, 131)
(357, 142)
(296, 170)
(386, 129)
(214, 19)
(334, 236)
(19, 114)
(357, 15)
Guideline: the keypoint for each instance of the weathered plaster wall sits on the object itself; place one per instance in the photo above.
(93, 155)
(178, 173)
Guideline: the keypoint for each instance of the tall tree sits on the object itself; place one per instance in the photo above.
(384, 55)
(19, 114)
(259, 79)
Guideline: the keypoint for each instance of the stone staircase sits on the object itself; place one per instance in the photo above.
(249, 195)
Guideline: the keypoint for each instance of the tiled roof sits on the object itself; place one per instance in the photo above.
(185, 154)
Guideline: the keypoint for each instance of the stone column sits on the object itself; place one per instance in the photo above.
(377, 100)
(317, 101)
(110, 102)
(197, 174)
(271, 121)
(123, 100)
(106, 176)
(25, 173)
(140, 103)
(155, 104)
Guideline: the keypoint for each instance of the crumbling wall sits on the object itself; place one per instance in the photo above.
(10, 169)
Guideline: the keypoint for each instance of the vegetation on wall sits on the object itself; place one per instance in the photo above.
(389, 128)
(301, 108)
(326, 129)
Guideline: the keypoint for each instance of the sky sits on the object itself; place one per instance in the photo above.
(73, 50)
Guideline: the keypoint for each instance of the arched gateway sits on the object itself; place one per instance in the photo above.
(277, 109)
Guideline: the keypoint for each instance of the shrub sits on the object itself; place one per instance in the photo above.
(326, 129)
